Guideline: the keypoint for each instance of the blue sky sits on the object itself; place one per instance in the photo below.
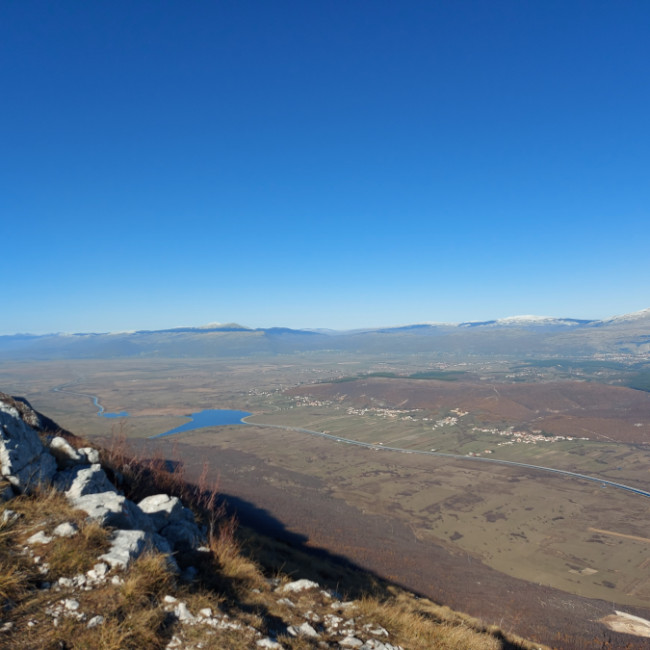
(322, 164)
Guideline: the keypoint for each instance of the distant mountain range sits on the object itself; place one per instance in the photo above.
(518, 336)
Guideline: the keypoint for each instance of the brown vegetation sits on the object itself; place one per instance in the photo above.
(597, 411)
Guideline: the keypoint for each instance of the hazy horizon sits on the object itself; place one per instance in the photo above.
(504, 319)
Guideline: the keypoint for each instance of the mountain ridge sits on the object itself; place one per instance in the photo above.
(624, 335)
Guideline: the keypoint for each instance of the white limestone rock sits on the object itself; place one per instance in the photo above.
(287, 602)
(183, 614)
(89, 455)
(268, 643)
(303, 630)
(82, 479)
(8, 517)
(71, 604)
(126, 546)
(65, 529)
(112, 509)
(98, 572)
(23, 459)
(64, 453)
(299, 585)
(162, 510)
(39, 538)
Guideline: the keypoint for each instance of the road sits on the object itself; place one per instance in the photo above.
(480, 459)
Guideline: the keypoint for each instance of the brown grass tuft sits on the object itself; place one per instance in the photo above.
(147, 581)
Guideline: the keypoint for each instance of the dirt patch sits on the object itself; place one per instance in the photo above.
(627, 624)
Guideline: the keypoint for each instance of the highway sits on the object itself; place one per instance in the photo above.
(480, 459)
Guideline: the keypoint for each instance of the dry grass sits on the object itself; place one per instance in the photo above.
(148, 580)
(45, 510)
(226, 550)
(421, 624)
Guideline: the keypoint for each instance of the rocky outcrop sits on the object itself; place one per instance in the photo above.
(160, 521)
(24, 460)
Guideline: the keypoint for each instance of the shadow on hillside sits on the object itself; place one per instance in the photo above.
(267, 540)
(270, 544)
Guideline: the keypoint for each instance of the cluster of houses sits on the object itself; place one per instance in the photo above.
(526, 437)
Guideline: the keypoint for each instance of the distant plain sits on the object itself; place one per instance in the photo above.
(553, 532)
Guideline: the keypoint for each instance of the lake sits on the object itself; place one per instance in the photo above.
(208, 418)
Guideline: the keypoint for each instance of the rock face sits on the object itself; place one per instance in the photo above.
(25, 461)
(84, 479)
(160, 521)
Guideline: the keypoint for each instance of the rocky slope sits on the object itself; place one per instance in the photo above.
(82, 565)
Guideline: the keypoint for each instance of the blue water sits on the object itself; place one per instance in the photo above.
(102, 413)
(208, 418)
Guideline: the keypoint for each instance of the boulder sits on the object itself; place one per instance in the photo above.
(162, 510)
(112, 509)
(126, 545)
(25, 412)
(39, 538)
(24, 460)
(90, 455)
(303, 630)
(64, 453)
(65, 529)
(83, 479)
(299, 585)
(183, 535)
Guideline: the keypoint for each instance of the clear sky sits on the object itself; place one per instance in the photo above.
(321, 163)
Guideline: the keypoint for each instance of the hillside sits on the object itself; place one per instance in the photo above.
(99, 549)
